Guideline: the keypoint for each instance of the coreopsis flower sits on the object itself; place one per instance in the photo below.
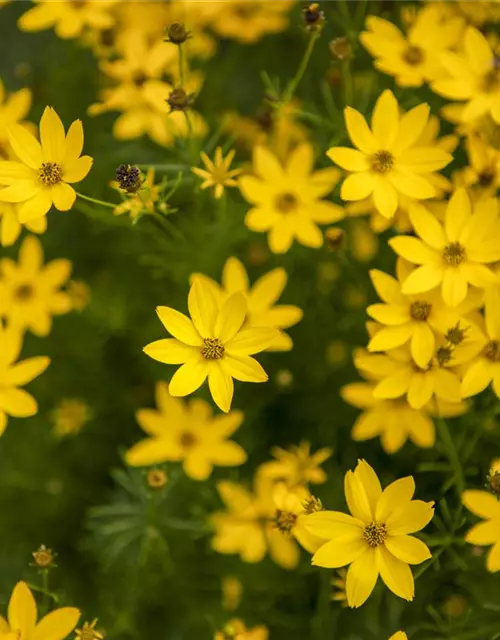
(388, 159)
(14, 401)
(44, 171)
(247, 526)
(292, 505)
(400, 635)
(418, 319)
(187, 432)
(287, 198)
(374, 540)
(69, 416)
(295, 465)
(398, 376)
(14, 108)
(416, 58)
(212, 343)
(30, 291)
(482, 175)
(217, 173)
(454, 255)
(144, 201)
(248, 22)
(10, 227)
(21, 622)
(69, 19)
(394, 420)
(89, 631)
(473, 78)
(486, 506)
(261, 297)
(238, 630)
(485, 369)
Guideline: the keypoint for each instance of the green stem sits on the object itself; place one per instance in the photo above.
(294, 82)
(102, 203)
(348, 83)
(181, 65)
(453, 456)
(45, 591)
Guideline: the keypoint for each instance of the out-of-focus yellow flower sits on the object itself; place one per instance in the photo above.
(389, 159)
(418, 319)
(69, 416)
(339, 583)
(143, 201)
(400, 635)
(179, 431)
(474, 13)
(482, 176)
(44, 171)
(261, 298)
(247, 526)
(486, 506)
(212, 343)
(30, 291)
(21, 620)
(80, 294)
(473, 78)
(10, 227)
(287, 199)
(13, 110)
(247, 22)
(374, 539)
(364, 243)
(89, 632)
(416, 58)
(217, 173)
(236, 629)
(295, 466)
(336, 353)
(69, 19)
(15, 401)
(454, 255)
(232, 590)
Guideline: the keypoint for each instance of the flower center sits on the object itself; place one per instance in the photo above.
(492, 351)
(454, 253)
(382, 161)
(420, 310)
(444, 355)
(491, 81)
(87, 634)
(24, 292)
(50, 173)
(187, 440)
(213, 349)
(286, 202)
(486, 177)
(495, 483)
(375, 534)
(140, 78)
(285, 521)
(456, 335)
(413, 55)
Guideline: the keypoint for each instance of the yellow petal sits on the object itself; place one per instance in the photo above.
(357, 186)
(493, 561)
(188, 378)
(23, 372)
(385, 198)
(171, 351)
(484, 533)
(423, 279)
(422, 386)
(412, 185)
(22, 610)
(78, 169)
(63, 196)
(149, 451)
(357, 498)
(349, 159)
(180, 326)
(234, 276)
(423, 344)
(243, 368)
(458, 213)
(57, 625)
(197, 466)
(481, 503)
(230, 317)
(20, 191)
(73, 145)
(361, 578)
(221, 387)
(17, 403)
(389, 314)
(387, 287)
(359, 132)
(52, 136)
(410, 517)
(339, 552)
(408, 549)
(266, 164)
(454, 287)
(333, 524)
(396, 574)
(385, 120)
(411, 127)
(227, 454)
(202, 309)
(267, 289)
(35, 207)
(250, 341)
(25, 146)
(397, 494)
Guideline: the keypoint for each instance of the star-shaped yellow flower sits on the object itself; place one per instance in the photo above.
(217, 173)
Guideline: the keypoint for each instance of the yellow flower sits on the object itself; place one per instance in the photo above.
(247, 526)
(395, 421)
(398, 376)
(13, 109)
(89, 632)
(454, 255)
(295, 465)
(236, 629)
(30, 291)
(400, 635)
(473, 78)
(287, 198)
(389, 160)
(43, 175)
(375, 538)
(211, 344)
(217, 173)
(414, 59)
(14, 401)
(339, 582)
(483, 172)
(486, 506)
(485, 369)
(143, 202)
(416, 319)
(21, 623)
(249, 21)
(189, 433)
(260, 298)
(69, 416)
(11, 227)
(80, 294)
(232, 590)
(69, 19)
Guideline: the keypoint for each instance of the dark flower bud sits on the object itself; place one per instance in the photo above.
(129, 178)
(314, 18)
(179, 100)
(177, 33)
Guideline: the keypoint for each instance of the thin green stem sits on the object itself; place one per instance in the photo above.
(45, 590)
(181, 65)
(453, 456)
(348, 83)
(295, 81)
(102, 203)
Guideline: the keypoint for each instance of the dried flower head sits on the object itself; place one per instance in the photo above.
(341, 48)
(177, 33)
(129, 178)
(179, 100)
(314, 18)
(44, 558)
